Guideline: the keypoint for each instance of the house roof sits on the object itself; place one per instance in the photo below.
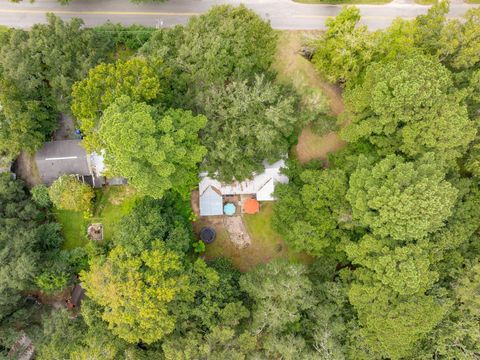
(211, 202)
(57, 158)
(262, 184)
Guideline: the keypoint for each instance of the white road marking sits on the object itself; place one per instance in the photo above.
(62, 158)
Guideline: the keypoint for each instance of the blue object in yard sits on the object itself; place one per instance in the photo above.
(77, 131)
(229, 209)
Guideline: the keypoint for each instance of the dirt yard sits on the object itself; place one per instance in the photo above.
(266, 244)
(294, 68)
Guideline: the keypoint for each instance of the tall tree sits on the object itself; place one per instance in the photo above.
(136, 78)
(343, 51)
(399, 199)
(137, 291)
(37, 70)
(68, 193)
(410, 105)
(314, 215)
(226, 43)
(155, 152)
(24, 238)
(247, 125)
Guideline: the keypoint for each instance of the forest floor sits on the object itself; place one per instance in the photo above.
(111, 203)
(294, 69)
(26, 169)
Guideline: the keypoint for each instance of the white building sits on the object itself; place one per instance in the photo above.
(261, 186)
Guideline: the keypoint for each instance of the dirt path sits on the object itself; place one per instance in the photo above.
(294, 68)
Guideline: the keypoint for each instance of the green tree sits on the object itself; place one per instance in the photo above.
(26, 240)
(343, 51)
(136, 78)
(390, 324)
(403, 200)
(138, 291)
(225, 43)
(154, 219)
(281, 291)
(247, 125)
(69, 193)
(155, 152)
(408, 105)
(314, 215)
(37, 70)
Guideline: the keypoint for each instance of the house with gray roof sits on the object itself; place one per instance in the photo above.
(69, 157)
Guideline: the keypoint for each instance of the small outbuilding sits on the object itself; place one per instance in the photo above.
(211, 203)
(251, 206)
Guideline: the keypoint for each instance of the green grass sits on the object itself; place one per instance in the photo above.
(344, 2)
(73, 228)
(425, 2)
(110, 205)
(266, 243)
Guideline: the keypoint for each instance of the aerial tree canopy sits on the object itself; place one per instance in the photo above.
(281, 291)
(37, 70)
(314, 215)
(399, 199)
(226, 43)
(26, 237)
(155, 152)
(345, 48)
(136, 291)
(136, 78)
(247, 124)
(69, 193)
(410, 105)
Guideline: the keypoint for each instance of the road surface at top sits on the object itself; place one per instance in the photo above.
(283, 14)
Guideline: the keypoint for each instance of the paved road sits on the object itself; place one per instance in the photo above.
(283, 14)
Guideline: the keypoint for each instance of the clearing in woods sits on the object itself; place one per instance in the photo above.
(295, 69)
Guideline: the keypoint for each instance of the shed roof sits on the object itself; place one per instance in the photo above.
(211, 202)
(57, 158)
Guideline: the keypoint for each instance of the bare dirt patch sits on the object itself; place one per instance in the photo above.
(312, 146)
(237, 232)
(295, 69)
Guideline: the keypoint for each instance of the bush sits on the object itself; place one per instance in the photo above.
(68, 193)
(40, 196)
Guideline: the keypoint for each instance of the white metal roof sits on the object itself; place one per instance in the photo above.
(262, 184)
(211, 203)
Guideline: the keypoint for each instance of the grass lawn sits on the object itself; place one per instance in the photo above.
(425, 2)
(111, 204)
(266, 243)
(342, 2)
(73, 228)
(294, 69)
